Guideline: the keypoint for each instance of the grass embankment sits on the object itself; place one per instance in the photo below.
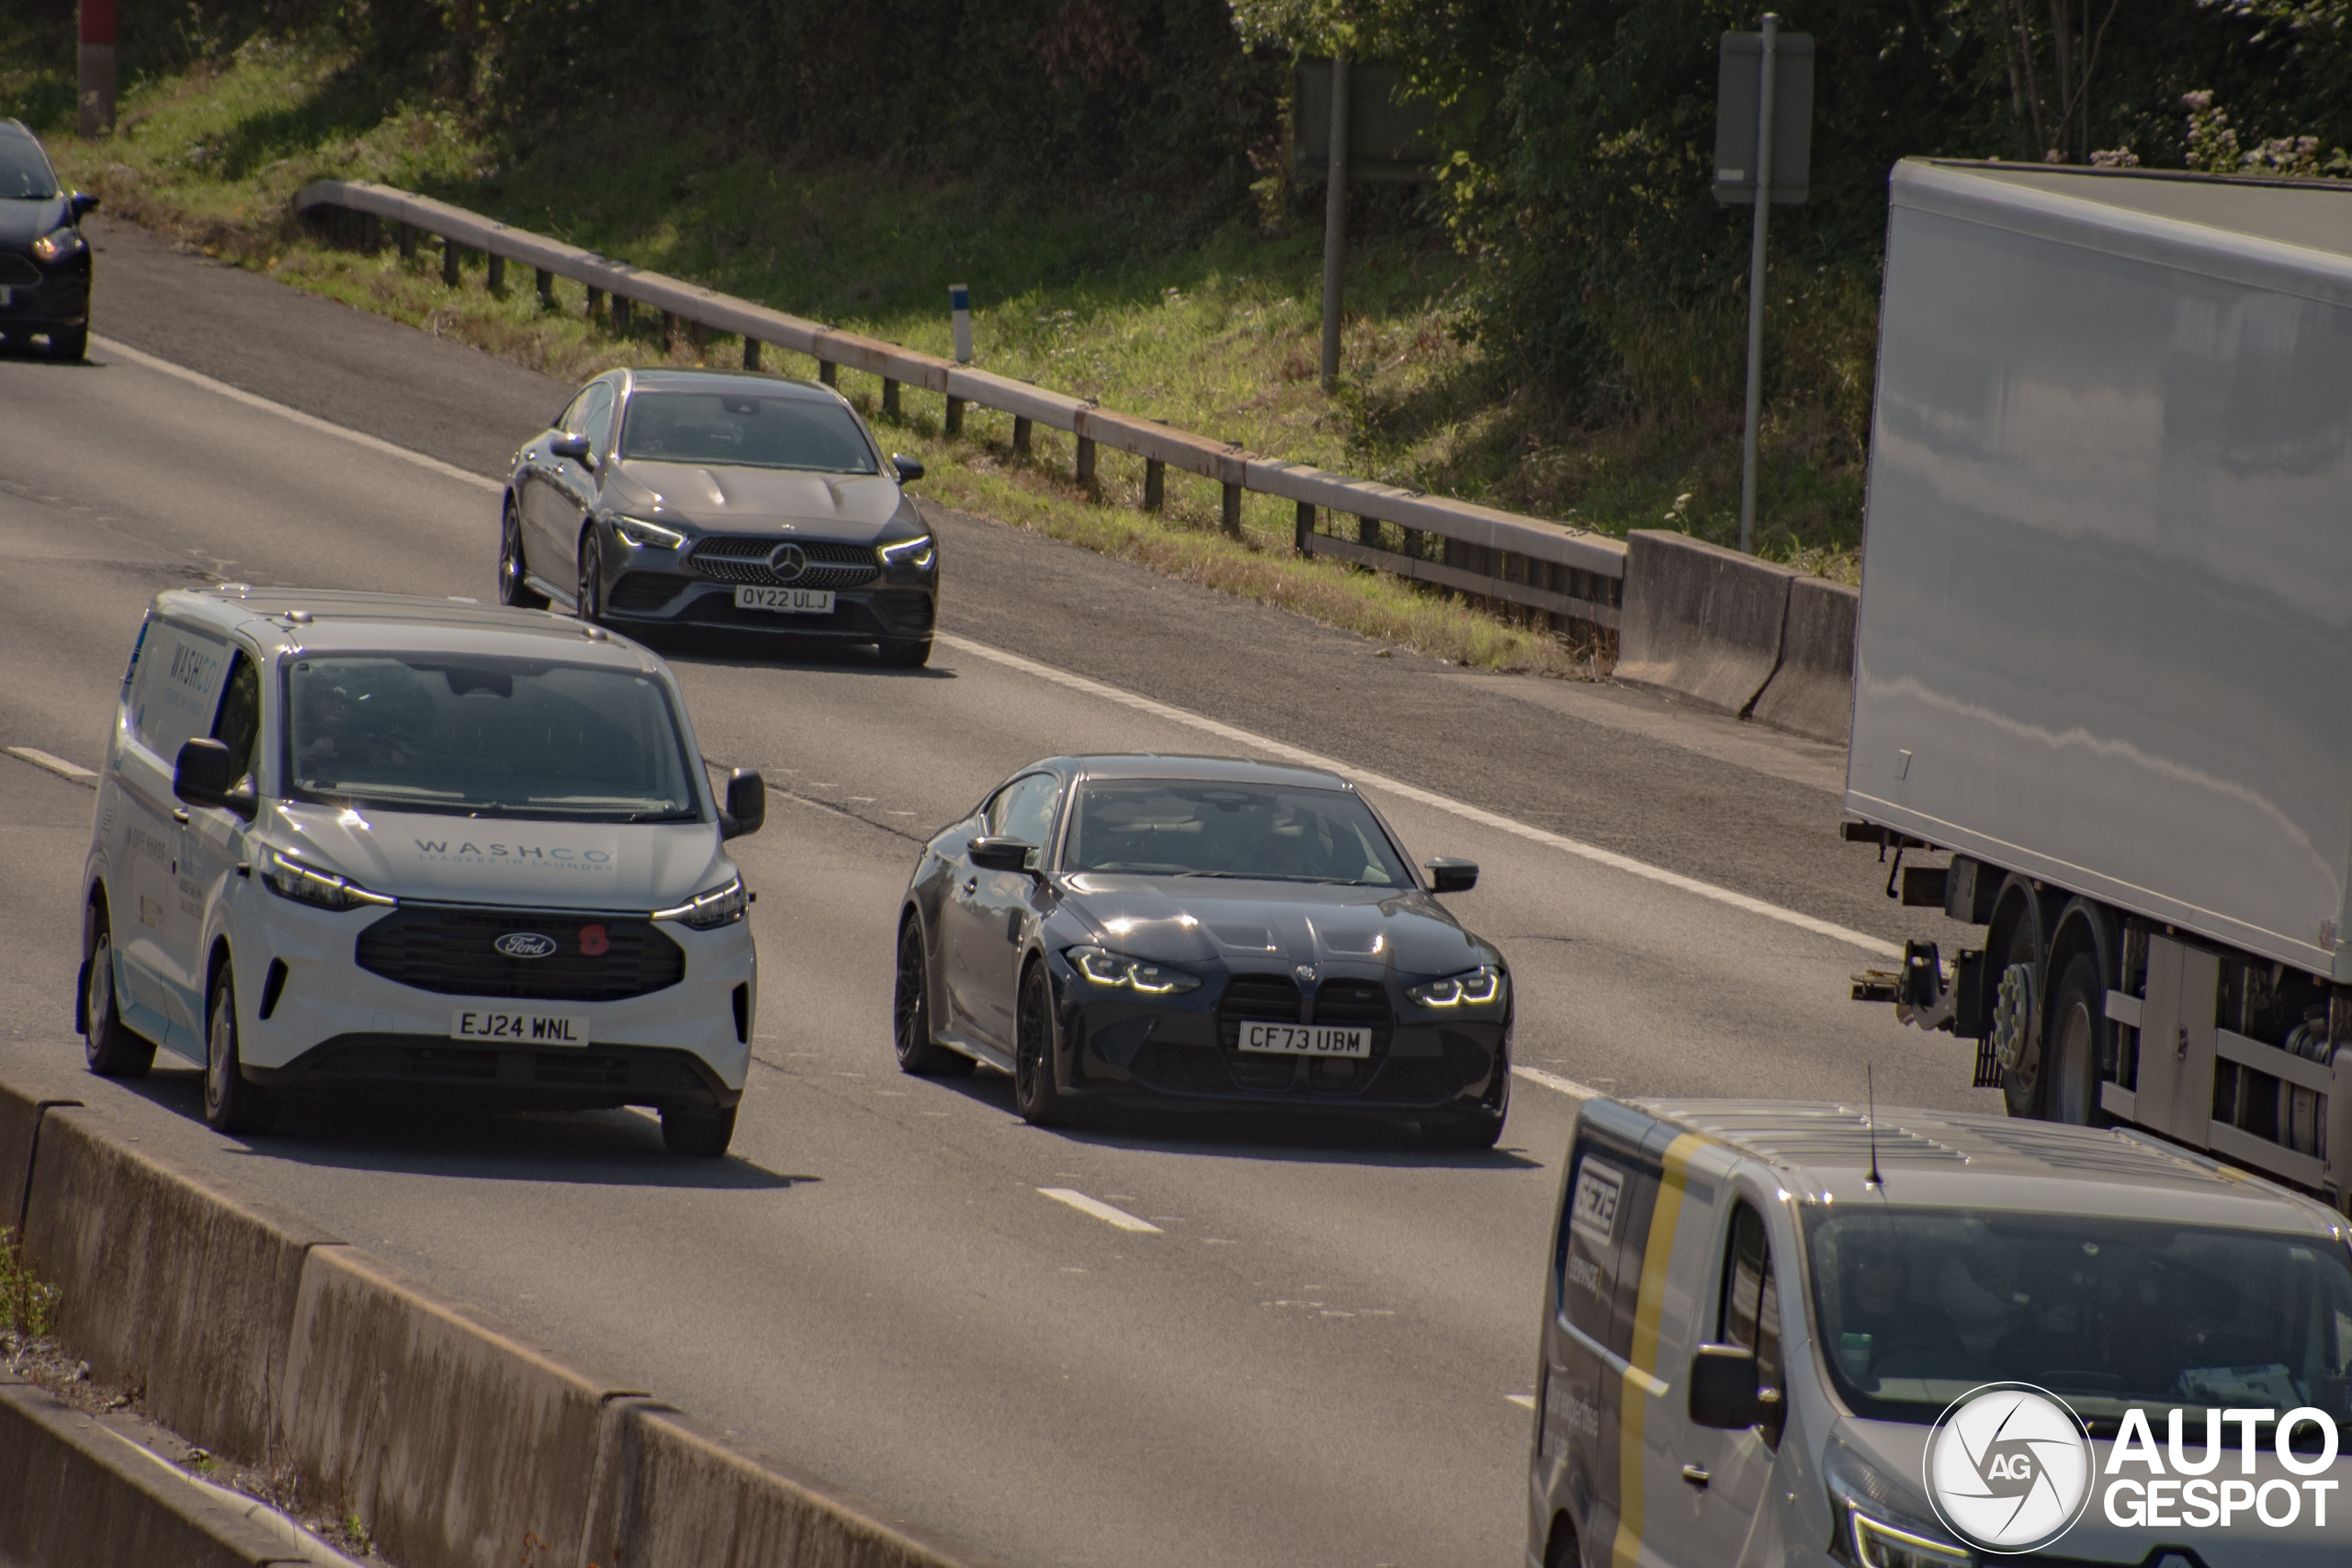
(1205, 319)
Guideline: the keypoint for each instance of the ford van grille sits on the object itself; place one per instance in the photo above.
(454, 951)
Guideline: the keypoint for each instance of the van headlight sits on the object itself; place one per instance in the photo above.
(1104, 967)
(915, 554)
(1472, 988)
(722, 906)
(289, 878)
(1878, 1525)
(60, 244)
(639, 535)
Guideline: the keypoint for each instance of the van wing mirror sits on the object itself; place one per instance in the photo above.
(1450, 876)
(1724, 1390)
(205, 774)
(747, 803)
(991, 853)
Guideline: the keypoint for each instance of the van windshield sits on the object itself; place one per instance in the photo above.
(477, 737)
(1917, 1307)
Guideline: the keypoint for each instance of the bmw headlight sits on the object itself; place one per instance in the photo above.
(1472, 988)
(60, 244)
(1104, 967)
(639, 535)
(915, 554)
(1878, 1524)
(289, 878)
(722, 906)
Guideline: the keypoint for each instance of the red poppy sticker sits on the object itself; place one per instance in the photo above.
(594, 942)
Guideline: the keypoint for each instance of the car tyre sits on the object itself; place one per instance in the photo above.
(918, 1052)
(1035, 1095)
(111, 1049)
(698, 1134)
(2073, 1044)
(230, 1104)
(911, 654)
(590, 602)
(71, 345)
(514, 586)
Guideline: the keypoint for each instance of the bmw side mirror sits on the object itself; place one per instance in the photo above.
(203, 775)
(1723, 1392)
(1449, 875)
(991, 853)
(747, 803)
(572, 446)
(909, 469)
(83, 204)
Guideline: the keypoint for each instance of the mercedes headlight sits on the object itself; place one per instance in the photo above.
(722, 906)
(914, 553)
(1104, 967)
(639, 535)
(1878, 1523)
(1472, 988)
(289, 878)
(60, 244)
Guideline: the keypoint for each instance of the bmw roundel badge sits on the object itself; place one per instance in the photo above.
(525, 944)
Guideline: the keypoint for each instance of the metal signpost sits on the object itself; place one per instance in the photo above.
(1347, 125)
(1763, 142)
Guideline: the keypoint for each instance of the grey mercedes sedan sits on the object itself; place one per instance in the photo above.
(721, 499)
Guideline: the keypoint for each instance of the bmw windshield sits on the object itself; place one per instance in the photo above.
(484, 737)
(1917, 1307)
(1256, 832)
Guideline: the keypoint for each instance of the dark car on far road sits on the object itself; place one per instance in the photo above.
(1201, 931)
(44, 260)
(725, 500)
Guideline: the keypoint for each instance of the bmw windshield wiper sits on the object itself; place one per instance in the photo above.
(1277, 876)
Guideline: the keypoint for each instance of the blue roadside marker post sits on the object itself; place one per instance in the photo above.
(959, 309)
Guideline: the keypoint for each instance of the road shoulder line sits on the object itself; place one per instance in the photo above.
(1108, 1214)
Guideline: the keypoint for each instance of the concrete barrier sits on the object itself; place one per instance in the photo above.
(169, 1278)
(1699, 620)
(669, 1494)
(1812, 693)
(22, 1104)
(456, 1441)
(74, 1496)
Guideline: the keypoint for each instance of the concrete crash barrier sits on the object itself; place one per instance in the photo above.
(669, 1493)
(1699, 620)
(1812, 693)
(22, 1105)
(169, 1280)
(72, 1495)
(456, 1440)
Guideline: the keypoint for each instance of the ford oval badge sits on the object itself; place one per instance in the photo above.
(525, 944)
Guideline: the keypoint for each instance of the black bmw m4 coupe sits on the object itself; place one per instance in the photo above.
(1201, 931)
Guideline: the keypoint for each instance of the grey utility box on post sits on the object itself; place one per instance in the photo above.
(1387, 140)
(1739, 85)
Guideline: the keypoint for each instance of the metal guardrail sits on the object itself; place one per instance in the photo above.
(1569, 574)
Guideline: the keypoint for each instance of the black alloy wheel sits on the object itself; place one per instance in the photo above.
(913, 653)
(1036, 1097)
(514, 587)
(590, 602)
(697, 1135)
(918, 1052)
(107, 1043)
(2073, 1044)
(230, 1104)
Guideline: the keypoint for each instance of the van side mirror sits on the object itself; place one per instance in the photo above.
(909, 469)
(83, 204)
(1723, 1388)
(1000, 854)
(575, 448)
(747, 803)
(1450, 876)
(204, 774)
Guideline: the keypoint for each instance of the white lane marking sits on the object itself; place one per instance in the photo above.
(1386, 786)
(1593, 853)
(1524, 1401)
(57, 765)
(1554, 1080)
(1099, 1209)
(309, 422)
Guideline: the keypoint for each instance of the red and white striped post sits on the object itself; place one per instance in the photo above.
(97, 68)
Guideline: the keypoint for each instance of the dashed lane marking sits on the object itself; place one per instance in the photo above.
(58, 766)
(1554, 1080)
(1099, 1209)
(1524, 1401)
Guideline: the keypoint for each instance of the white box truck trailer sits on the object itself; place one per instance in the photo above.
(2105, 647)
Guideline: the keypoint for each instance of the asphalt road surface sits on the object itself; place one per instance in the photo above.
(1321, 1357)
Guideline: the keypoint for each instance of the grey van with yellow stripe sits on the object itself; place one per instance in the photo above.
(1756, 1313)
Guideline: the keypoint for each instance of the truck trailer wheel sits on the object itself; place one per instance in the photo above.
(2021, 1083)
(2073, 1045)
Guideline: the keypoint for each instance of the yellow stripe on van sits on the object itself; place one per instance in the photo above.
(1648, 1306)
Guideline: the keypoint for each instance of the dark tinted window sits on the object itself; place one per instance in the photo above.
(754, 431)
(1751, 1307)
(1023, 809)
(24, 173)
(238, 725)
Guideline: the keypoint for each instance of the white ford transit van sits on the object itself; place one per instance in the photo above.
(367, 843)
(1780, 1334)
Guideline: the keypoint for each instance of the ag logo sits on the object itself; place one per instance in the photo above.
(787, 560)
(525, 944)
(2008, 1468)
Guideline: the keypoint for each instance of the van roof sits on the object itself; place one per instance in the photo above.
(1822, 1151)
(338, 619)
